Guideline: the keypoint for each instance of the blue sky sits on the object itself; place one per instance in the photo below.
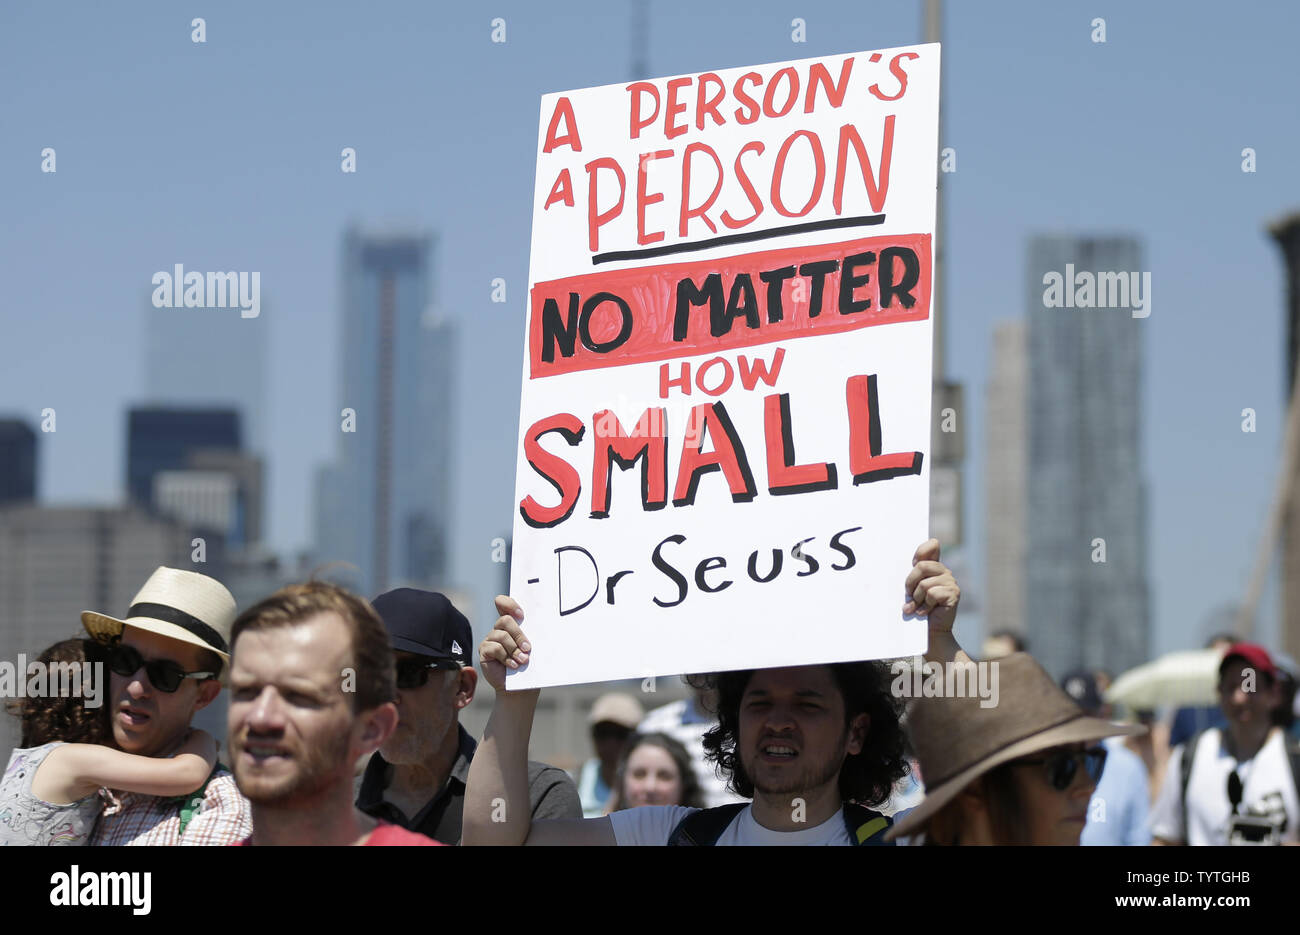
(225, 155)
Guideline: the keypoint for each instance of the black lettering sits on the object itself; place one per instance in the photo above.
(775, 279)
(706, 566)
(849, 558)
(804, 557)
(902, 289)
(624, 330)
(670, 571)
(849, 282)
(689, 296)
(741, 303)
(777, 556)
(559, 574)
(818, 271)
(558, 330)
(610, 582)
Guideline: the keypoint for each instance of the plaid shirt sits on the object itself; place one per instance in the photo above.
(225, 817)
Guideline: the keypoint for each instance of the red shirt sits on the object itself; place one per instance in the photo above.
(384, 835)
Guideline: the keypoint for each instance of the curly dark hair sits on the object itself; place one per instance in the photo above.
(692, 796)
(866, 778)
(45, 720)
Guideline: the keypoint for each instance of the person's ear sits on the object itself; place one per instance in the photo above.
(859, 727)
(207, 693)
(378, 726)
(465, 690)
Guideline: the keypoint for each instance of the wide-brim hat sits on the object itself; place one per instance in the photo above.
(957, 740)
(182, 605)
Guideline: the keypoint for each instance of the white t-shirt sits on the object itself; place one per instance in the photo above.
(1268, 791)
(653, 824)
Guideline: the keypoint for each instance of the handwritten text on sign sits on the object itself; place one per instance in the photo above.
(680, 349)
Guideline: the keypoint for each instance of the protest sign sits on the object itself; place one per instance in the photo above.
(725, 415)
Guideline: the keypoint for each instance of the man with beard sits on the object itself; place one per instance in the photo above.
(312, 689)
(813, 746)
(164, 659)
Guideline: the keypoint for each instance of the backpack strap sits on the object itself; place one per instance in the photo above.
(866, 828)
(703, 828)
(1185, 776)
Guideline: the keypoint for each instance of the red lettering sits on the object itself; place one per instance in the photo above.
(727, 376)
(749, 377)
(895, 69)
(783, 475)
(708, 105)
(738, 89)
(636, 89)
(792, 79)
(595, 219)
(682, 383)
(562, 190)
(865, 460)
(778, 173)
(559, 473)
(563, 111)
(818, 75)
(876, 195)
(673, 109)
(642, 199)
(754, 201)
(728, 455)
(648, 438)
(687, 212)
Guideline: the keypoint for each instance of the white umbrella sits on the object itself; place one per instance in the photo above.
(1186, 678)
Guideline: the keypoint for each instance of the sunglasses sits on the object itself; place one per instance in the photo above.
(164, 674)
(414, 673)
(1063, 766)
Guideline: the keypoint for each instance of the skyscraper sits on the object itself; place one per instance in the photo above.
(1004, 479)
(17, 462)
(384, 506)
(1086, 590)
(163, 439)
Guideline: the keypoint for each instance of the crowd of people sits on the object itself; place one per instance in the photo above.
(344, 728)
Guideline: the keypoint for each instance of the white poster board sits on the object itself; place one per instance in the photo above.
(725, 415)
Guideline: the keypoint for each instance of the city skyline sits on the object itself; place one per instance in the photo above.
(382, 504)
(1029, 156)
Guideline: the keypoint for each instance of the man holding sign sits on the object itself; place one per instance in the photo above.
(813, 745)
(729, 300)
(725, 405)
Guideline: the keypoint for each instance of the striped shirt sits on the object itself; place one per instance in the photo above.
(225, 817)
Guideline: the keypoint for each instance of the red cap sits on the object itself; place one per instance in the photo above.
(1254, 654)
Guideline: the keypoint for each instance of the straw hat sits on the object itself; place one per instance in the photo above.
(182, 605)
(617, 708)
(957, 741)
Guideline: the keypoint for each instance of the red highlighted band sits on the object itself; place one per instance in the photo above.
(650, 313)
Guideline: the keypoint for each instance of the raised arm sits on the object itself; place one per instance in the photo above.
(78, 769)
(497, 809)
(934, 595)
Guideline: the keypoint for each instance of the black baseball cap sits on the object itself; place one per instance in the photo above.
(1081, 686)
(425, 623)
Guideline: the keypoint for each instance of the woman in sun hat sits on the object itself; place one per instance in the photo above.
(1019, 772)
